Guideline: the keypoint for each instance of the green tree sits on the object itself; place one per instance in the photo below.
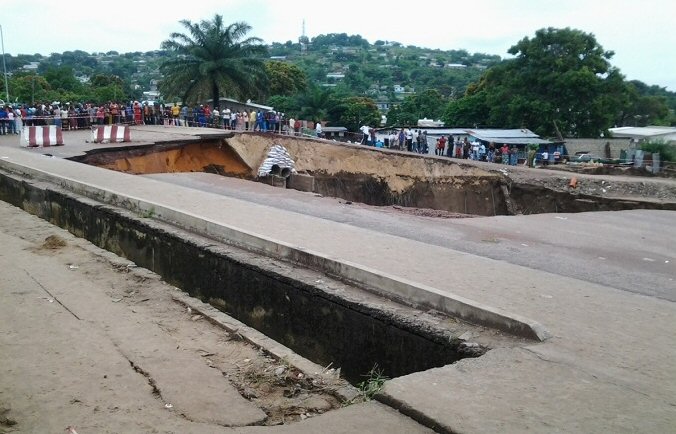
(357, 111)
(62, 79)
(314, 104)
(645, 106)
(105, 88)
(29, 88)
(285, 104)
(213, 61)
(285, 78)
(428, 104)
(560, 79)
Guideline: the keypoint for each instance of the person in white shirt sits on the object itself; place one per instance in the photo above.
(64, 119)
(409, 139)
(226, 118)
(365, 138)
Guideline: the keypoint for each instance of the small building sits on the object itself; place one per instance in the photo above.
(385, 106)
(238, 106)
(642, 134)
(430, 123)
(337, 133)
(519, 138)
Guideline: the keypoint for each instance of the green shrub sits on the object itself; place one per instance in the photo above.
(667, 151)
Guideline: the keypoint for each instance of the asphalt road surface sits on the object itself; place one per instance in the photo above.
(633, 250)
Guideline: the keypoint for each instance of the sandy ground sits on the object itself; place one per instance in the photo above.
(89, 340)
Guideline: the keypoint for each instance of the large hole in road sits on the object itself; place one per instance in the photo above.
(360, 175)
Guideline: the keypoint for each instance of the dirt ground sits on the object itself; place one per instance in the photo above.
(68, 311)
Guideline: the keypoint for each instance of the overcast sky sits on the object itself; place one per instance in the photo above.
(641, 33)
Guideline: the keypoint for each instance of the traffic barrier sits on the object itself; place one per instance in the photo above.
(43, 136)
(110, 134)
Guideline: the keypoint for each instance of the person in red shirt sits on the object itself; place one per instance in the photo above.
(441, 145)
(504, 151)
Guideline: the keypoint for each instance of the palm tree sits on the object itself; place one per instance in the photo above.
(213, 60)
(315, 103)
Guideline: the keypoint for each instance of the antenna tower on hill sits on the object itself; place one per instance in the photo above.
(303, 40)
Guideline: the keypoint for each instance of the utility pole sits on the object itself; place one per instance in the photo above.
(4, 66)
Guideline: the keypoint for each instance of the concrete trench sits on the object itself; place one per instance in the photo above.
(323, 320)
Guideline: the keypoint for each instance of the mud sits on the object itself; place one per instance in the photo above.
(211, 156)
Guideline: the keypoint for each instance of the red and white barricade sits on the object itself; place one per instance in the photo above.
(110, 134)
(43, 136)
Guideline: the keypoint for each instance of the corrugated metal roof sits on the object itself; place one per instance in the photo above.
(446, 132)
(642, 131)
(516, 141)
(494, 134)
(510, 137)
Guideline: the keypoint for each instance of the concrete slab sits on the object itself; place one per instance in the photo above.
(515, 390)
(371, 417)
(178, 378)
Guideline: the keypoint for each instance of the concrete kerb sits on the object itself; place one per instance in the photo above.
(373, 280)
(340, 388)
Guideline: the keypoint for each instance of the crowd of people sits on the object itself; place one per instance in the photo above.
(417, 140)
(79, 116)
(457, 148)
(83, 115)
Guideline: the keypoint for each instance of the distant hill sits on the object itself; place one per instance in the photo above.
(383, 70)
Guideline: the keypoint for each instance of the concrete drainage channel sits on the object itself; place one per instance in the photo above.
(329, 322)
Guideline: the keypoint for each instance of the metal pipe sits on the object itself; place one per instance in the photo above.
(4, 66)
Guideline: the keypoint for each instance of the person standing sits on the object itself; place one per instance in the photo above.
(235, 120)
(513, 156)
(391, 140)
(65, 123)
(417, 144)
(252, 120)
(175, 114)
(365, 134)
(226, 118)
(441, 145)
(504, 152)
(4, 119)
(409, 140)
(402, 139)
(289, 130)
(491, 152)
